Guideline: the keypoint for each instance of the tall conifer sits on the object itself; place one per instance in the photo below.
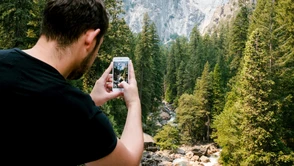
(192, 69)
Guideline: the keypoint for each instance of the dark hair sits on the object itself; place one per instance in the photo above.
(66, 20)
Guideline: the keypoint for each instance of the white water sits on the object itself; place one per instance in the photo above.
(213, 159)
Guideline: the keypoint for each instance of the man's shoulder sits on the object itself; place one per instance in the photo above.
(7, 52)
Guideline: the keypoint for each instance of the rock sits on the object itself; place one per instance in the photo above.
(148, 138)
(197, 164)
(189, 154)
(181, 151)
(204, 159)
(182, 157)
(165, 163)
(195, 158)
(165, 116)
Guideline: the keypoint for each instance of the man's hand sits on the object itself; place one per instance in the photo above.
(102, 91)
(131, 95)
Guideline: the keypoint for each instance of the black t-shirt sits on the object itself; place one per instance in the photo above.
(44, 120)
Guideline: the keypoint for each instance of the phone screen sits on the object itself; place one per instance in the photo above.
(120, 72)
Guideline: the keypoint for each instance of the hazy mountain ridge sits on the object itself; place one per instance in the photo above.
(224, 13)
(172, 18)
(178, 17)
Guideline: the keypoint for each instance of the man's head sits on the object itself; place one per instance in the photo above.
(65, 21)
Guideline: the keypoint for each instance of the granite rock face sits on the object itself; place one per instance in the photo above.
(175, 18)
(172, 17)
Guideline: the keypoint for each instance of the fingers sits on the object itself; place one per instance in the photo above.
(123, 84)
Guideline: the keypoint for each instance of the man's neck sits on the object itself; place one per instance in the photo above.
(48, 52)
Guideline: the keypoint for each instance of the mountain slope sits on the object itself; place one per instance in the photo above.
(172, 17)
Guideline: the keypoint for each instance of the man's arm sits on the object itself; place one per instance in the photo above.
(129, 148)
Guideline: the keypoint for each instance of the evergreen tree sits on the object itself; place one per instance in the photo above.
(144, 67)
(285, 63)
(203, 93)
(171, 76)
(261, 143)
(168, 138)
(186, 119)
(158, 68)
(226, 128)
(255, 125)
(221, 44)
(238, 38)
(157, 77)
(33, 31)
(16, 19)
(218, 94)
(181, 58)
(192, 68)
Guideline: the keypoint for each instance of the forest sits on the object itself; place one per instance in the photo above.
(233, 86)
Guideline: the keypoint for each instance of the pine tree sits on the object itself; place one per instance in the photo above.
(193, 68)
(158, 68)
(14, 19)
(168, 138)
(261, 144)
(252, 116)
(285, 63)
(144, 67)
(203, 93)
(181, 58)
(218, 94)
(186, 119)
(238, 38)
(171, 76)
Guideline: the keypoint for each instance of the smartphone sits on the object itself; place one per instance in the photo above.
(120, 72)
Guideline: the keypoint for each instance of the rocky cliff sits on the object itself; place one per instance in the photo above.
(172, 17)
(178, 17)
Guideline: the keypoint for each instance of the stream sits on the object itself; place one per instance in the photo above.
(213, 159)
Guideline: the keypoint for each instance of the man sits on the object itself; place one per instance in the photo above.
(46, 121)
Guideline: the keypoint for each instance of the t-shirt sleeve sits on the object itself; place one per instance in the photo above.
(93, 133)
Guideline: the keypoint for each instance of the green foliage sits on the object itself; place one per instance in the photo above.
(186, 119)
(167, 138)
(19, 23)
(238, 39)
(151, 125)
(171, 76)
(181, 59)
(226, 127)
(149, 76)
(218, 94)
(158, 69)
(193, 66)
(285, 63)
(203, 94)
(259, 136)
(251, 129)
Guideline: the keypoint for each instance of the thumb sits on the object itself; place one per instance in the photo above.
(123, 84)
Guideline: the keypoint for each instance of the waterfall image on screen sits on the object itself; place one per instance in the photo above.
(120, 72)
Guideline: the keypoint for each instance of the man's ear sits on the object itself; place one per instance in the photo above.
(91, 37)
